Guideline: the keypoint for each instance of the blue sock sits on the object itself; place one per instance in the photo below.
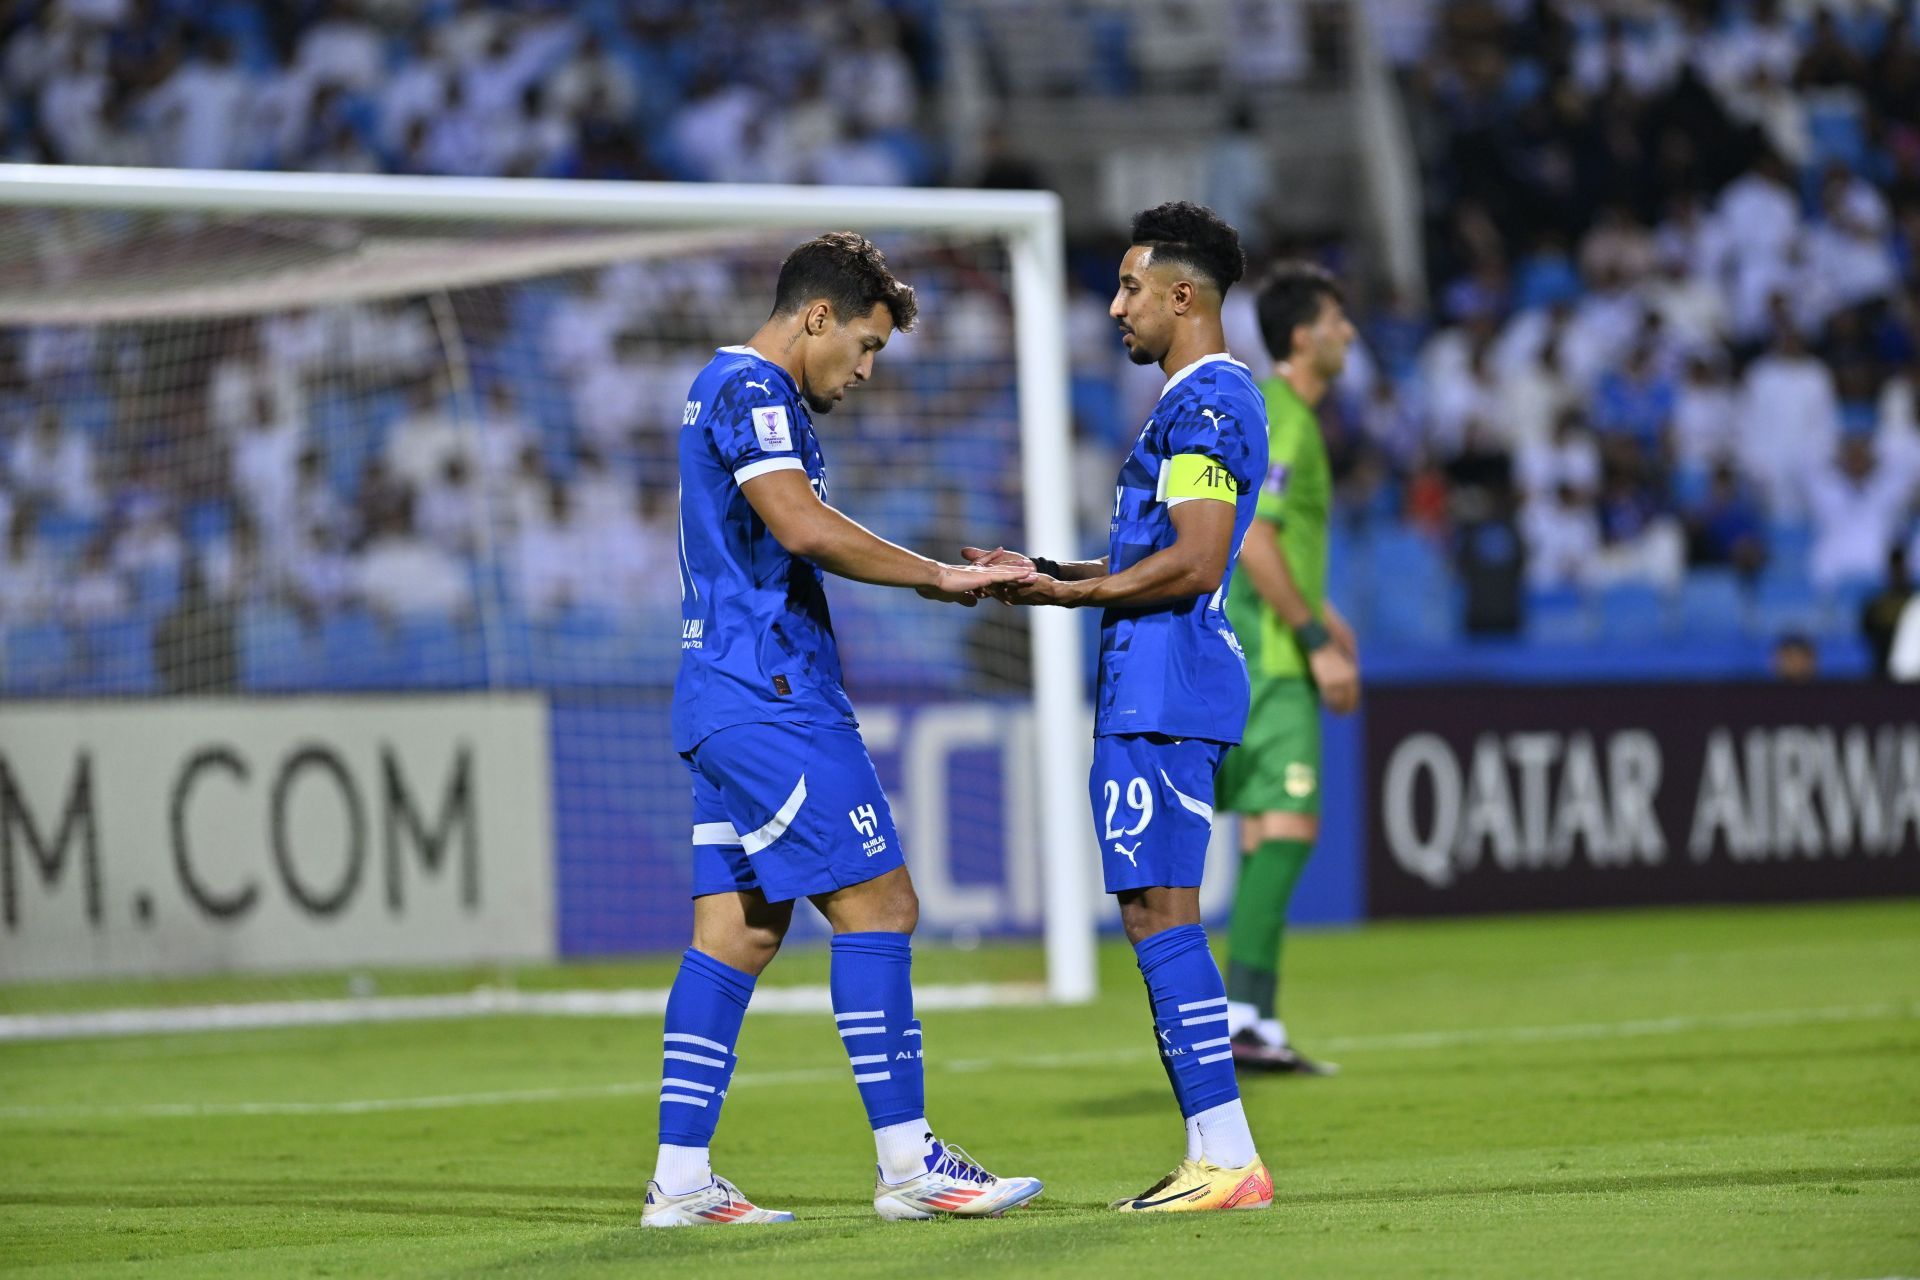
(703, 1024)
(872, 987)
(1189, 1016)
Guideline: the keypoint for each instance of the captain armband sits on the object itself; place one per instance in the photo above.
(1187, 476)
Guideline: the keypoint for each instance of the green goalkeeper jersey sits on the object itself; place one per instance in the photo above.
(1297, 496)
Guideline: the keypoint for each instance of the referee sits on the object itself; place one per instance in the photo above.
(1300, 653)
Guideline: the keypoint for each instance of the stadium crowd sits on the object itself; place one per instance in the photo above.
(1670, 360)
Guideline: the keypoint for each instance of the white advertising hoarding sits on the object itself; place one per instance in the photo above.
(203, 835)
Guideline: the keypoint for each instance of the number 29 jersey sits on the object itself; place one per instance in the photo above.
(1177, 668)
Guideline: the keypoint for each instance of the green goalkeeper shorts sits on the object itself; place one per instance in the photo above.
(1276, 767)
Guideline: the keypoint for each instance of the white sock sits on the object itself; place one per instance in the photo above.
(903, 1149)
(1240, 1016)
(681, 1170)
(1225, 1139)
(1193, 1138)
(1273, 1031)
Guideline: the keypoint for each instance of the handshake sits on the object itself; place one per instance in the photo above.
(1007, 576)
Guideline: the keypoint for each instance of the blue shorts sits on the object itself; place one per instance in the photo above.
(789, 809)
(1153, 808)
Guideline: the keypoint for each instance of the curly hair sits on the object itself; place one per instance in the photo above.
(1290, 297)
(1194, 236)
(848, 272)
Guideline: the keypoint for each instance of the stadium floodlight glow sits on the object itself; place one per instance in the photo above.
(1027, 224)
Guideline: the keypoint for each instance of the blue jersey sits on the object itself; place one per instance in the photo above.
(1177, 668)
(756, 642)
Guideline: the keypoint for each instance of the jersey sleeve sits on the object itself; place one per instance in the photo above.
(1272, 503)
(753, 433)
(1215, 427)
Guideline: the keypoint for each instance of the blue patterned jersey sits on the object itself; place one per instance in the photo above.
(756, 642)
(1176, 668)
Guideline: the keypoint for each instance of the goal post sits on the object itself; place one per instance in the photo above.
(1027, 224)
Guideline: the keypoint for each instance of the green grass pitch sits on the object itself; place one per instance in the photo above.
(1708, 1093)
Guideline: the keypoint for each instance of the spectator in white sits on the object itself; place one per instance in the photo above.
(1789, 421)
(1562, 535)
(579, 333)
(1531, 399)
(711, 124)
(1269, 46)
(628, 550)
(400, 574)
(1694, 238)
(150, 543)
(27, 573)
(1618, 248)
(595, 75)
(1570, 459)
(493, 82)
(341, 48)
(1897, 439)
(448, 510)
(599, 496)
(1859, 510)
(200, 108)
(95, 592)
(297, 343)
(612, 398)
(320, 576)
(315, 504)
(392, 340)
(1764, 40)
(420, 443)
(501, 433)
(73, 104)
(1605, 322)
(1705, 425)
(416, 90)
(1847, 247)
(536, 140)
(461, 139)
(860, 159)
(342, 152)
(1240, 173)
(1458, 397)
(554, 558)
(1177, 43)
(527, 498)
(1644, 55)
(1768, 102)
(1758, 211)
(873, 82)
(265, 460)
(1691, 305)
(55, 466)
(1388, 419)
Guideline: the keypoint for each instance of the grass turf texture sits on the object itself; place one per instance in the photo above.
(1703, 1093)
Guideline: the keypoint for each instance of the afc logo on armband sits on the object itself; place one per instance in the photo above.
(867, 822)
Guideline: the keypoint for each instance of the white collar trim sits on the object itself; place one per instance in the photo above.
(1218, 355)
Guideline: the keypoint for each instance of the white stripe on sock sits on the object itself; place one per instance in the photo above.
(868, 1059)
(693, 1057)
(672, 1083)
(681, 1037)
(845, 1032)
(911, 1031)
(873, 1075)
(1205, 1017)
(870, 1013)
(1217, 1057)
(1191, 1005)
(1212, 1044)
(675, 1097)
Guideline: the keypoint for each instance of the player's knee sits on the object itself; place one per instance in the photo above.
(1286, 826)
(904, 909)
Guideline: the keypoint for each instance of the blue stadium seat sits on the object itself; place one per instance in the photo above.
(1558, 616)
(358, 651)
(1713, 605)
(115, 657)
(156, 589)
(439, 653)
(1633, 613)
(1786, 602)
(65, 534)
(277, 655)
(39, 657)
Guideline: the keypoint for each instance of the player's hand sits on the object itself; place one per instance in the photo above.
(972, 581)
(969, 599)
(1337, 675)
(1039, 589)
(997, 556)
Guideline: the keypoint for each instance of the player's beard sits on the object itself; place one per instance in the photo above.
(1139, 354)
(819, 404)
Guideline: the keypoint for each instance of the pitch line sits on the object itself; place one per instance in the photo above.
(1401, 1043)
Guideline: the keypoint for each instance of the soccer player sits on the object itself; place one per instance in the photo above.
(1299, 651)
(785, 801)
(1173, 685)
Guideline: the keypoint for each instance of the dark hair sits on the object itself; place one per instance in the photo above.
(850, 273)
(1194, 236)
(1290, 297)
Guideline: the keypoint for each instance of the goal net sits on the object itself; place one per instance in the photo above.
(339, 602)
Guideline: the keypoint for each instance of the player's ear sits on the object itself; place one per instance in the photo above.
(819, 316)
(1182, 296)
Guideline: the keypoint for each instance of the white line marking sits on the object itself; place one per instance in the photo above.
(479, 1003)
(960, 1066)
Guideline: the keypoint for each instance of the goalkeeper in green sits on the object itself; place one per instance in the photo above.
(1300, 653)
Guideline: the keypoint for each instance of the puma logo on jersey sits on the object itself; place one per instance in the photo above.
(1127, 853)
(766, 386)
(1216, 419)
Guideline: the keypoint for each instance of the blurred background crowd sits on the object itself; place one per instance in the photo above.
(1653, 409)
